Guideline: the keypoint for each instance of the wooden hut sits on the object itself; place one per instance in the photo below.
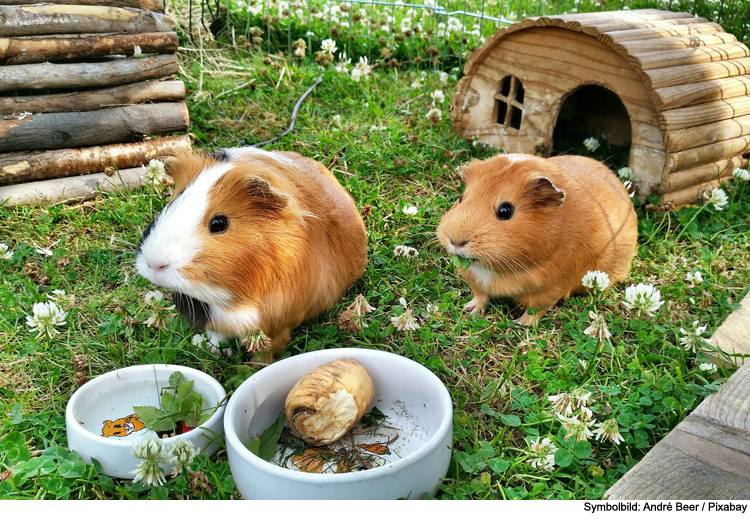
(86, 87)
(674, 87)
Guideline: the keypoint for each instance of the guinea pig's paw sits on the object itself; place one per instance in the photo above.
(477, 304)
(531, 320)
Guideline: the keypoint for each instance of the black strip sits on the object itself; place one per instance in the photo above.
(196, 312)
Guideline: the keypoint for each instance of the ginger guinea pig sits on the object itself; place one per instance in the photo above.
(533, 227)
(253, 240)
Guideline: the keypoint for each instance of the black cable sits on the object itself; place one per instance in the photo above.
(294, 115)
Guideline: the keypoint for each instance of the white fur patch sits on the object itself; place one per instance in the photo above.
(481, 274)
(241, 321)
(513, 158)
(175, 240)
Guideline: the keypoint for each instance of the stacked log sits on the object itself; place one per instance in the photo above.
(85, 86)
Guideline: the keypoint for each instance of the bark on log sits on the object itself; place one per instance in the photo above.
(32, 166)
(72, 189)
(82, 129)
(150, 5)
(41, 19)
(61, 47)
(88, 101)
(47, 76)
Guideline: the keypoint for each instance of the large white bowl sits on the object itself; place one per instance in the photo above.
(112, 396)
(403, 389)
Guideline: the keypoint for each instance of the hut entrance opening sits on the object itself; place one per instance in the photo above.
(593, 111)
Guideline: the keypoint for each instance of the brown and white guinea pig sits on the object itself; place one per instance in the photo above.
(253, 240)
(534, 227)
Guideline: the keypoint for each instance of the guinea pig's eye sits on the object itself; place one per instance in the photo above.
(218, 224)
(461, 198)
(505, 211)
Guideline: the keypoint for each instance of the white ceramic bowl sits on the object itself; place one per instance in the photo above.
(405, 391)
(112, 396)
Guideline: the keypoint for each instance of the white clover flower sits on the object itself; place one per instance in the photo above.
(155, 172)
(342, 66)
(375, 128)
(692, 339)
(410, 210)
(362, 69)
(443, 77)
(562, 403)
(162, 315)
(598, 329)
(591, 144)
(361, 306)
(256, 341)
(431, 309)
(434, 115)
(542, 454)
(154, 297)
(46, 316)
(407, 321)
(60, 297)
(718, 198)
(583, 363)
(337, 120)
(183, 453)
(416, 84)
(609, 430)
(353, 318)
(578, 426)
(625, 173)
(437, 96)
(581, 396)
(300, 52)
(596, 280)
(643, 298)
(137, 51)
(694, 278)
(405, 24)
(329, 46)
(708, 368)
(741, 174)
(629, 185)
(43, 251)
(198, 340)
(5, 253)
(153, 452)
(406, 252)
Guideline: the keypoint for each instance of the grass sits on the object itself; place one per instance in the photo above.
(388, 156)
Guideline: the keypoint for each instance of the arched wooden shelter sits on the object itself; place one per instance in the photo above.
(676, 87)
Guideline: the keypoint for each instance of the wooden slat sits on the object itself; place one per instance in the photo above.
(691, 177)
(41, 19)
(47, 76)
(622, 25)
(656, 33)
(688, 138)
(702, 92)
(665, 59)
(696, 115)
(27, 50)
(644, 14)
(694, 73)
(632, 47)
(733, 339)
(89, 100)
(151, 5)
(695, 157)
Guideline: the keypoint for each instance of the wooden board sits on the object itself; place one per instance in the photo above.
(694, 73)
(151, 5)
(701, 92)
(694, 157)
(703, 173)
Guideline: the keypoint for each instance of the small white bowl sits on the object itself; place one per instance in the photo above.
(410, 395)
(112, 396)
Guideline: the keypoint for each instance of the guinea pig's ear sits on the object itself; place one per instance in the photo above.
(183, 168)
(467, 171)
(264, 196)
(544, 194)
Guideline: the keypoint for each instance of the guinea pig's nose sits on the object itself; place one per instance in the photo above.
(459, 244)
(158, 266)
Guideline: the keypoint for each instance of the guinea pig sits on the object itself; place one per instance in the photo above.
(253, 240)
(533, 227)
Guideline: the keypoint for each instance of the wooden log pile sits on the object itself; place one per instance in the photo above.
(85, 86)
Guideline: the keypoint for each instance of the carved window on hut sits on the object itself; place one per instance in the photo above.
(509, 102)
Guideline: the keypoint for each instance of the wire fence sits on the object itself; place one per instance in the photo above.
(441, 35)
